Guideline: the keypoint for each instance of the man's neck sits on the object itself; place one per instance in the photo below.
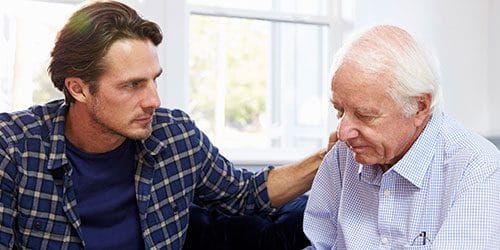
(86, 135)
(418, 131)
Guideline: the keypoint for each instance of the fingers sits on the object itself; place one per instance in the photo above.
(332, 139)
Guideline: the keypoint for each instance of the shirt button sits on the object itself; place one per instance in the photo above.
(387, 192)
(38, 226)
(385, 241)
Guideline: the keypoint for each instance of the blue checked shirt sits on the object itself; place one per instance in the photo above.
(447, 186)
(177, 165)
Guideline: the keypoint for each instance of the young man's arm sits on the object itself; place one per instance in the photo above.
(286, 182)
(7, 201)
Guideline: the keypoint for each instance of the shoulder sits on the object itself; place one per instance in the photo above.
(173, 124)
(166, 116)
(467, 156)
(459, 141)
(175, 132)
(37, 121)
(171, 118)
(337, 163)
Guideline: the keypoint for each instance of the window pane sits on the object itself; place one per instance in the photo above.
(258, 81)
(229, 77)
(31, 35)
(7, 57)
(308, 7)
(240, 4)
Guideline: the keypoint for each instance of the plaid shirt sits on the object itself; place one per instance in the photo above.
(177, 165)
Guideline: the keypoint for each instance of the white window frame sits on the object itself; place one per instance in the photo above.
(175, 24)
(173, 17)
(274, 156)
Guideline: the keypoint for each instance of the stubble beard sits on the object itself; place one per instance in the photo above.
(106, 129)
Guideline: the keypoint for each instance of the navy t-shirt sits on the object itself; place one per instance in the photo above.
(104, 186)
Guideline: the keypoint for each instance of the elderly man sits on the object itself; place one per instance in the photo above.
(403, 174)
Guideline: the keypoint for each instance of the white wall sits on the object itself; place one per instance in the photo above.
(460, 34)
(494, 69)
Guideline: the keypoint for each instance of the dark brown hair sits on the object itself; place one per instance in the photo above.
(85, 39)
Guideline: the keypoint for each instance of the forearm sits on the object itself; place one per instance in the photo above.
(286, 182)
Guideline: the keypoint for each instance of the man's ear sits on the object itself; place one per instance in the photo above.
(77, 88)
(424, 108)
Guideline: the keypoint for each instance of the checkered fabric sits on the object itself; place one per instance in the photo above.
(177, 165)
(443, 194)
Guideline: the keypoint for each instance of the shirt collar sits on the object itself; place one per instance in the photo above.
(153, 145)
(415, 163)
(370, 174)
(57, 156)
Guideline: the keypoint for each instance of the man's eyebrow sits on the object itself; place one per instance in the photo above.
(365, 110)
(140, 79)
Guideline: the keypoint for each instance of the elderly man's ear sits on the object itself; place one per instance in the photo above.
(424, 108)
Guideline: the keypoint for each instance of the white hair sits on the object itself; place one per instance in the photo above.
(392, 52)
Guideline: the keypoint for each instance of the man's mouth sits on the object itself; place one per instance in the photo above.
(357, 148)
(144, 119)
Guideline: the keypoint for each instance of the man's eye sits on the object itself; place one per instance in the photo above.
(340, 113)
(366, 118)
(133, 84)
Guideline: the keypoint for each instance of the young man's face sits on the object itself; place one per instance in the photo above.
(126, 95)
(371, 123)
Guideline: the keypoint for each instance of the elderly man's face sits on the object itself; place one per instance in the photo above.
(371, 123)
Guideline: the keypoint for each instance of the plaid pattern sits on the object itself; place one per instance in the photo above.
(177, 165)
(447, 185)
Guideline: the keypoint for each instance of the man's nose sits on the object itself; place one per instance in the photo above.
(152, 99)
(346, 129)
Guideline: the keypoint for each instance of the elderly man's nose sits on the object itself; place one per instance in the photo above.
(346, 129)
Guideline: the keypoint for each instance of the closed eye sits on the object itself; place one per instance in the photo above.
(340, 113)
(366, 118)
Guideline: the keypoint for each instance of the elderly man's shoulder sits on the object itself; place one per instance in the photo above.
(464, 146)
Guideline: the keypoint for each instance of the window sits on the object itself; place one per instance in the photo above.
(257, 76)
(26, 39)
(253, 75)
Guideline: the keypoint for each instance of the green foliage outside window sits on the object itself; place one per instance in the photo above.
(243, 46)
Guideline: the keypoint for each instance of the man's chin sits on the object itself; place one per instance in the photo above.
(363, 159)
(140, 134)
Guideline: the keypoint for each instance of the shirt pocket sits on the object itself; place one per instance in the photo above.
(35, 232)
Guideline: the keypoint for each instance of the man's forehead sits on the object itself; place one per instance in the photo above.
(360, 99)
(358, 107)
